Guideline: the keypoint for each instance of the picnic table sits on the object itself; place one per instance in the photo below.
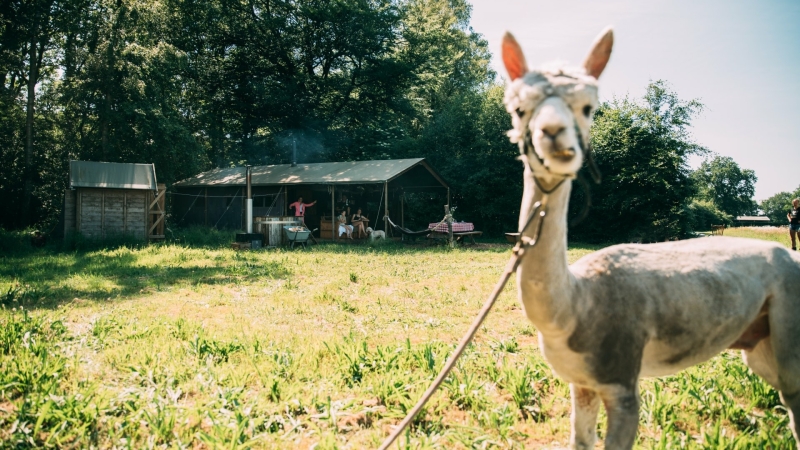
(458, 227)
(461, 231)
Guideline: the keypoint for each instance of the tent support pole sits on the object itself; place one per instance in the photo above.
(385, 206)
(402, 209)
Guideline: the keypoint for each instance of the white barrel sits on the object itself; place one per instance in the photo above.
(274, 230)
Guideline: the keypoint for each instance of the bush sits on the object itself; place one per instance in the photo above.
(703, 213)
(77, 242)
(14, 241)
(198, 236)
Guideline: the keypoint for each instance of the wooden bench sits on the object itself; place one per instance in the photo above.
(462, 236)
(717, 229)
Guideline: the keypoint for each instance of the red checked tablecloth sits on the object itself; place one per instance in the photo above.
(458, 227)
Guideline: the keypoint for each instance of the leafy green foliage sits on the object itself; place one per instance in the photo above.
(194, 84)
(641, 148)
(730, 188)
(779, 205)
(703, 213)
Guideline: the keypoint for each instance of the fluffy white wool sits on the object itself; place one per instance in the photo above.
(526, 93)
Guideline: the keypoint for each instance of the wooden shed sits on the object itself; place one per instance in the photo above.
(113, 200)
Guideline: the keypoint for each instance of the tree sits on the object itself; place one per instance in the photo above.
(641, 148)
(703, 214)
(31, 40)
(721, 181)
(777, 206)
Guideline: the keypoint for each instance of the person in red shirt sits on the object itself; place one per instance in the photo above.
(300, 208)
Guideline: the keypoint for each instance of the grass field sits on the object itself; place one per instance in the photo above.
(178, 346)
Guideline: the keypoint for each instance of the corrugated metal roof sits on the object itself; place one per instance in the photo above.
(355, 172)
(92, 174)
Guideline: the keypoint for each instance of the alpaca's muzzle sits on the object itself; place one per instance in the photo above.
(564, 154)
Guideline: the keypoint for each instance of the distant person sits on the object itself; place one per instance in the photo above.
(344, 203)
(358, 222)
(343, 226)
(794, 221)
(300, 208)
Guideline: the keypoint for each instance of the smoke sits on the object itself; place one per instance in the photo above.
(310, 145)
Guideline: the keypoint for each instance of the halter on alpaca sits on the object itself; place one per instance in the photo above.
(522, 100)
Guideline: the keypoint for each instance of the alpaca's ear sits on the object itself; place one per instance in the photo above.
(601, 51)
(513, 58)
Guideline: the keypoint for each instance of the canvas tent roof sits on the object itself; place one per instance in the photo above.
(410, 172)
(91, 174)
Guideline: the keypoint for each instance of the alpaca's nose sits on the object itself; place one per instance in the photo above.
(553, 130)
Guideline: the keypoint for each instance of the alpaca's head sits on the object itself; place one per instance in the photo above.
(554, 106)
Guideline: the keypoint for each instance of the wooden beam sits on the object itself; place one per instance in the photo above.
(385, 206)
(402, 209)
(155, 224)
(78, 212)
(103, 213)
(124, 212)
(156, 202)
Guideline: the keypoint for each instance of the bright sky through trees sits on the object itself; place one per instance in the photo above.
(740, 58)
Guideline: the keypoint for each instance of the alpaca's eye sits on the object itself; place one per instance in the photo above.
(587, 110)
(520, 113)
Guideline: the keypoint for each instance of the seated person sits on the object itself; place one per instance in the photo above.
(359, 222)
(341, 220)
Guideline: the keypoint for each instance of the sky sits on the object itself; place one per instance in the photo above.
(740, 58)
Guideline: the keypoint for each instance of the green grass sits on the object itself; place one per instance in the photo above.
(173, 346)
(776, 234)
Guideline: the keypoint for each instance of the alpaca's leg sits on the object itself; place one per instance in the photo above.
(784, 321)
(585, 405)
(622, 408)
(792, 403)
(762, 360)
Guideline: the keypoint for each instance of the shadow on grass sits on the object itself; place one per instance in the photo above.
(45, 279)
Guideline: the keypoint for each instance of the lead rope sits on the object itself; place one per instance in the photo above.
(523, 244)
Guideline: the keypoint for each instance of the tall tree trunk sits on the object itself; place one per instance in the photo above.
(33, 76)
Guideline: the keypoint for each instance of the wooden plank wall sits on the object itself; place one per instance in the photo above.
(69, 211)
(102, 213)
(90, 215)
(136, 223)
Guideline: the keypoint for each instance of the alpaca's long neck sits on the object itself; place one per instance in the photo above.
(546, 285)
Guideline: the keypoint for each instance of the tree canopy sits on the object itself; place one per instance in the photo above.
(194, 84)
(641, 147)
(730, 188)
(777, 206)
(190, 85)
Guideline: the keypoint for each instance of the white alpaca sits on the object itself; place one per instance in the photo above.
(629, 311)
